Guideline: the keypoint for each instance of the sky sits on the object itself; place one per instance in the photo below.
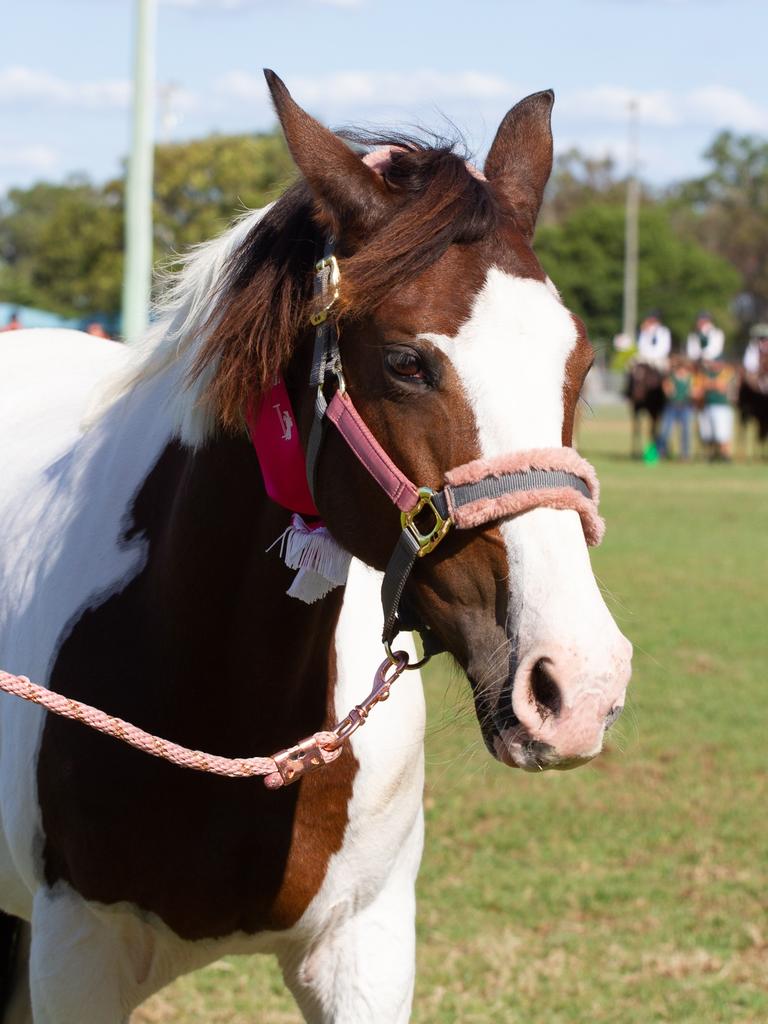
(694, 67)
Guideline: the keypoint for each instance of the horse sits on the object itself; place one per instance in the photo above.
(752, 403)
(645, 392)
(139, 574)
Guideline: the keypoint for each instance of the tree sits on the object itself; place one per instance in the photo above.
(579, 180)
(201, 186)
(61, 246)
(585, 259)
(726, 210)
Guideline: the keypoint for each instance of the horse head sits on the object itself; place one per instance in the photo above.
(456, 348)
(643, 380)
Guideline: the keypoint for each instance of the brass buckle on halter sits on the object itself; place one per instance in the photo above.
(427, 541)
(333, 284)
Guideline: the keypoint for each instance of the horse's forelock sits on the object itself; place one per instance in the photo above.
(441, 203)
(437, 201)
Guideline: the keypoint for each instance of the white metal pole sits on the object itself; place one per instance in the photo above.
(631, 233)
(137, 276)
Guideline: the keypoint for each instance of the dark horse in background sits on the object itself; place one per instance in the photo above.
(752, 403)
(644, 389)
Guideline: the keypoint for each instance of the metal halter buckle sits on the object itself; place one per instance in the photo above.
(331, 285)
(427, 541)
(338, 373)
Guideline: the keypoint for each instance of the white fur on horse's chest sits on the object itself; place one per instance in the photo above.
(387, 794)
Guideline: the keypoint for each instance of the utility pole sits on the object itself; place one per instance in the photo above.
(137, 276)
(629, 326)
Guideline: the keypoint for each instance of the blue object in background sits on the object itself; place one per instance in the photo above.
(31, 317)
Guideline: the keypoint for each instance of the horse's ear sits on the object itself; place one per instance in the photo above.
(351, 196)
(520, 160)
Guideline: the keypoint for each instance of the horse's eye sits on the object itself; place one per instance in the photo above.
(406, 363)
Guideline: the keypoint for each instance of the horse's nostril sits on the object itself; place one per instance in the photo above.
(544, 689)
(612, 715)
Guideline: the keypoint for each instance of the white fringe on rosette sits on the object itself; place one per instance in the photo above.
(321, 561)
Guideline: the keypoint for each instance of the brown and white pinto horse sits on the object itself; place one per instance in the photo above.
(134, 575)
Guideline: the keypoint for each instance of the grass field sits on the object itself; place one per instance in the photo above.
(635, 889)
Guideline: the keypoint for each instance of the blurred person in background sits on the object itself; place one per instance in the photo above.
(756, 354)
(14, 324)
(712, 390)
(678, 388)
(654, 342)
(705, 341)
(97, 330)
(753, 391)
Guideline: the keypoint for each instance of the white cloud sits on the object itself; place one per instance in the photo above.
(611, 103)
(352, 89)
(226, 5)
(238, 5)
(24, 86)
(28, 85)
(594, 120)
(723, 106)
(659, 162)
(342, 93)
(713, 106)
(35, 158)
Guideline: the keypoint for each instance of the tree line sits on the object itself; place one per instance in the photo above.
(61, 244)
(703, 242)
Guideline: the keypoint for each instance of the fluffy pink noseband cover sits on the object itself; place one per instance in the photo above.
(485, 510)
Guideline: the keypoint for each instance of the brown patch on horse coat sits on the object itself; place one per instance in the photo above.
(180, 651)
(577, 367)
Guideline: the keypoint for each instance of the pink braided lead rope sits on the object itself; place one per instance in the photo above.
(281, 769)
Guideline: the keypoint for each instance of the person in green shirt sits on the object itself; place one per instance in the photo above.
(678, 388)
(712, 388)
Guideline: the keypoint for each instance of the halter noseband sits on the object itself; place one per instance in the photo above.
(474, 494)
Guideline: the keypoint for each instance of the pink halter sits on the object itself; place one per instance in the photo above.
(472, 495)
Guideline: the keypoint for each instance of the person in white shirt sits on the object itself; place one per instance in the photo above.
(706, 341)
(654, 342)
(758, 344)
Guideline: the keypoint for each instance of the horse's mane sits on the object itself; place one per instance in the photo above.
(230, 320)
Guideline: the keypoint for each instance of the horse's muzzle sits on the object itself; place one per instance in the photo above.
(556, 712)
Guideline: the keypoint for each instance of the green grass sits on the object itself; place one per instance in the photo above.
(632, 890)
